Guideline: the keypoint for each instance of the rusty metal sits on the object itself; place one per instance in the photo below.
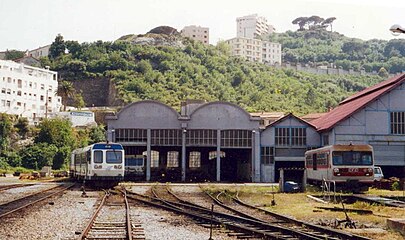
(249, 227)
(93, 218)
(112, 229)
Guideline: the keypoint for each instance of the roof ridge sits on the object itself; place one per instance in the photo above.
(374, 88)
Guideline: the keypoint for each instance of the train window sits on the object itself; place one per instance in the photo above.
(114, 156)
(352, 158)
(98, 156)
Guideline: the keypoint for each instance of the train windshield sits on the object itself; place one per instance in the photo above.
(98, 156)
(352, 158)
(114, 156)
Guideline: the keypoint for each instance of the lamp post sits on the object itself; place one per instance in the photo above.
(396, 29)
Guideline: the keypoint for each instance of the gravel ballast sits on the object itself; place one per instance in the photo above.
(56, 218)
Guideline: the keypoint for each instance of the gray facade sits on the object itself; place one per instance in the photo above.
(221, 138)
(283, 143)
(220, 141)
(373, 124)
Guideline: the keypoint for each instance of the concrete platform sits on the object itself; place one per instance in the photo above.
(397, 224)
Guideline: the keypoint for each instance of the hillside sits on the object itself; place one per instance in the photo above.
(172, 74)
(324, 47)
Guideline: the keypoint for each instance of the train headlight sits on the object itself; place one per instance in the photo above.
(98, 166)
(370, 170)
(119, 167)
(336, 170)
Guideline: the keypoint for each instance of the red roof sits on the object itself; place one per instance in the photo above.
(356, 102)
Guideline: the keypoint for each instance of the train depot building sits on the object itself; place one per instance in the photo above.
(220, 141)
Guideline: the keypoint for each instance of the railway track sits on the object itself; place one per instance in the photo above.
(21, 203)
(6, 187)
(241, 227)
(241, 208)
(112, 220)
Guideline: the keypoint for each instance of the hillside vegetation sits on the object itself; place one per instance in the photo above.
(323, 47)
(172, 74)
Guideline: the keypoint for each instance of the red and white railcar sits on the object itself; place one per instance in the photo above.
(346, 165)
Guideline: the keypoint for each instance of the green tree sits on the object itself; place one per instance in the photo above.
(383, 72)
(65, 90)
(97, 134)
(6, 126)
(57, 48)
(79, 101)
(14, 54)
(301, 21)
(57, 132)
(329, 22)
(38, 155)
(22, 127)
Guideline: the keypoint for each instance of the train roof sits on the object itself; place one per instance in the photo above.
(342, 147)
(99, 146)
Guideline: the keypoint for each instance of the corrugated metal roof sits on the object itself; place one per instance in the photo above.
(356, 102)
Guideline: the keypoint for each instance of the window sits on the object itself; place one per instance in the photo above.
(130, 135)
(194, 160)
(236, 138)
(201, 137)
(98, 156)
(114, 156)
(298, 136)
(267, 155)
(41, 97)
(154, 158)
(397, 122)
(352, 158)
(172, 159)
(282, 136)
(166, 137)
(19, 93)
(213, 155)
(42, 86)
(3, 90)
(291, 136)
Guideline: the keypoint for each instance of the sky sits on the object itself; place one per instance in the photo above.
(28, 24)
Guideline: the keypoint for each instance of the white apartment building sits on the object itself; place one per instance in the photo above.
(197, 33)
(28, 91)
(252, 26)
(39, 52)
(256, 50)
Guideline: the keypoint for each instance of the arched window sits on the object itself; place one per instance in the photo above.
(172, 159)
(154, 158)
(194, 160)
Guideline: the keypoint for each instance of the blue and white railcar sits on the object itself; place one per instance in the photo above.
(99, 161)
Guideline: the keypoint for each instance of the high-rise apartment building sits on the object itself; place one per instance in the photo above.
(28, 91)
(197, 33)
(252, 26)
(256, 50)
